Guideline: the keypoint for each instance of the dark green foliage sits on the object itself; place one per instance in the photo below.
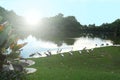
(12, 75)
(109, 31)
(106, 28)
(60, 26)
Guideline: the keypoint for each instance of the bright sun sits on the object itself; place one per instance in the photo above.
(32, 17)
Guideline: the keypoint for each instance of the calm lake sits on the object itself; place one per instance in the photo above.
(71, 44)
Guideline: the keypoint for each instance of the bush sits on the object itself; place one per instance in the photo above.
(12, 75)
(9, 50)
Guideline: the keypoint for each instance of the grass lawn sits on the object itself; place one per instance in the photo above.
(99, 64)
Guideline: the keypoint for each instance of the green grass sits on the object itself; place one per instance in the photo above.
(99, 64)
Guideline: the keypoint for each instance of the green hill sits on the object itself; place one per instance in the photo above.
(99, 64)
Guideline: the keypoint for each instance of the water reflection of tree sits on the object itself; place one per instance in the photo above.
(55, 39)
(69, 40)
(105, 36)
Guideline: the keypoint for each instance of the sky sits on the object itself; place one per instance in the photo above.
(85, 11)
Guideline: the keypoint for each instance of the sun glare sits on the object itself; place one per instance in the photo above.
(32, 17)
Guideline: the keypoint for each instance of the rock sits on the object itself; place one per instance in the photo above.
(27, 62)
(30, 70)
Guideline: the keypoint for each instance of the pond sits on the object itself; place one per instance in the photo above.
(39, 45)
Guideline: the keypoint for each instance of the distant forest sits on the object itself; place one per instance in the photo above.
(59, 25)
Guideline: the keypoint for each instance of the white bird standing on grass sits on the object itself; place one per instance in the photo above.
(87, 51)
(62, 54)
(31, 55)
(39, 53)
(80, 51)
(70, 53)
(49, 52)
(46, 54)
(59, 50)
(92, 49)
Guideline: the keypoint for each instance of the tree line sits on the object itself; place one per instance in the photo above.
(59, 26)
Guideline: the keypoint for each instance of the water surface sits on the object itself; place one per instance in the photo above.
(38, 45)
